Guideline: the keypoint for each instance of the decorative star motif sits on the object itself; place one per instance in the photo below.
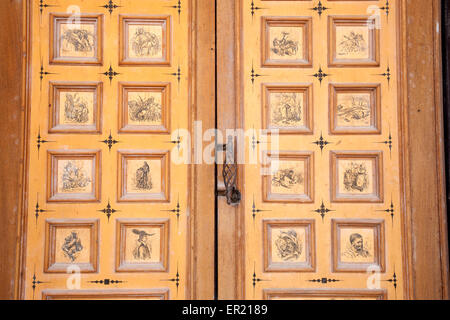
(387, 75)
(110, 6)
(324, 280)
(178, 7)
(389, 143)
(393, 281)
(108, 210)
(176, 210)
(386, 8)
(40, 141)
(390, 210)
(254, 75)
(255, 210)
(255, 141)
(35, 282)
(323, 210)
(177, 141)
(319, 8)
(110, 141)
(176, 279)
(177, 74)
(110, 74)
(38, 210)
(254, 8)
(320, 75)
(107, 282)
(321, 143)
(43, 5)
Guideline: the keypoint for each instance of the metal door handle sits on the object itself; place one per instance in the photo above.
(229, 173)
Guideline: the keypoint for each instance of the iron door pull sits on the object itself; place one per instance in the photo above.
(229, 174)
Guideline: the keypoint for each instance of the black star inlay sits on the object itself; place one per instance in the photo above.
(254, 8)
(110, 141)
(254, 75)
(35, 282)
(38, 210)
(389, 143)
(323, 210)
(176, 210)
(255, 210)
(110, 74)
(177, 141)
(321, 143)
(108, 210)
(320, 75)
(176, 279)
(393, 281)
(387, 75)
(386, 8)
(177, 74)
(390, 210)
(110, 6)
(319, 8)
(178, 8)
(255, 279)
(40, 141)
(43, 5)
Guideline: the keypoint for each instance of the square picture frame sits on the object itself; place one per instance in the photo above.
(81, 46)
(145, 179)
(285, 46)
(364, 108)
(287, 92)
(80, 174)
(77, 108)
(146, 42)
(143, 247)
(358, 248)
(72, 244)
(290, 245)
(289, 178)
(129, 122)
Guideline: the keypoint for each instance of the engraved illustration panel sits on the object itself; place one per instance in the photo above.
(286, 42)
(290, 178)
(145, 40)
(143, 176)
(75, 107)
(356, 176)
(323, 294)
(73, 175)
(355, 108)
(288, 108)
(289, 245)
(76, 39)
(144, 108)
(69, 243)
(142, 245)
(114, 294)
(357, 245)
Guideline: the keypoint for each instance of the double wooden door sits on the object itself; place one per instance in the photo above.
(120, 204)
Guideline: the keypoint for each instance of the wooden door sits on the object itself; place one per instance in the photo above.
(109, 204)
(320, 95)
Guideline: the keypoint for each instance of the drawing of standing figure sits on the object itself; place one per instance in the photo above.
(143, 249)
(143, 179)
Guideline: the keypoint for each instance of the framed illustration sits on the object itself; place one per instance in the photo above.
(114, 294)
(73, 175)
(75, 107)
(353, 41)
(144, 107)
(355, 108)
(358, 244)
(72, 242)
(76, 40)
(145, 40)
(288, 108)
(286, 42)
(324, 294)
(356, 176)
(144, 176)
(290, 178)
(289, 245)
(142, 245)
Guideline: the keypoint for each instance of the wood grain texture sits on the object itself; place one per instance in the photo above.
(12, 68)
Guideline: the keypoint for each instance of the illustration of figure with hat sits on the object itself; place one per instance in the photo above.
(143, 249)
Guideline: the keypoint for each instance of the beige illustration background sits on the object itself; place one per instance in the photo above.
(368, 243)
(276, 103)
(294, 34)
(153, 29)
(153, 242)
(83, 256)
(341, 32)
(297, 166)
(67, 49)
(85, 97)
(343, 165)
(85, 168)
(346, 99)
(154, 174)
(301, 236)
(134, 96)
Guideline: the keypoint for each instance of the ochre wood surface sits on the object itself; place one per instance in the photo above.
(116, 191)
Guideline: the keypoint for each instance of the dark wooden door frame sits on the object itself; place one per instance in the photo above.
(424, 170)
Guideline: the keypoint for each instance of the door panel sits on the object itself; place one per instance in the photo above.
(109, 83)
(326, 217)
